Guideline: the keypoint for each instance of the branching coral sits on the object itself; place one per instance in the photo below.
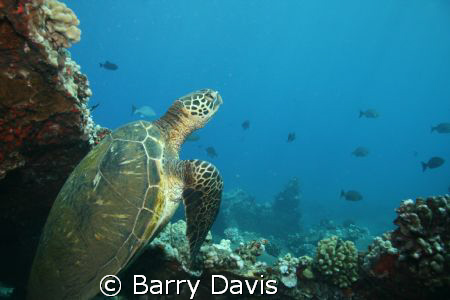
(337, 261)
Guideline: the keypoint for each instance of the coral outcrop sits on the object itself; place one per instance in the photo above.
(336, 271)
(280, 217)
(410, 262)
(413, 261)
(45, 122)
(337, 261)
(61, 23)
(286, 208)
(304, 243)
(167, 256)
(423, 240)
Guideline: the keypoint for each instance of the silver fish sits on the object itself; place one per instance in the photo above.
(143, 111)
(369, 113)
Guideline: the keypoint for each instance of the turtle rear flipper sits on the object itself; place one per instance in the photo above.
(201, 195)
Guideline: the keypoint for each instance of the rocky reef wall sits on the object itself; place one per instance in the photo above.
(45, 122)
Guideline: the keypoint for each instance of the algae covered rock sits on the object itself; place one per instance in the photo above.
(45, 124)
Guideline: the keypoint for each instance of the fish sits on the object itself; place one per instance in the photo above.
(245, 125)
(441, 128)
(143, 111)
(192, 137)
(94, 106)
(434, 162)
(109, 66)
(360, 152)
(369, 113)
(211, 152)
(351, 195)
(291, 137)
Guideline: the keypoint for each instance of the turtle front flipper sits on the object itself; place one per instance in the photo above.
(202, 195)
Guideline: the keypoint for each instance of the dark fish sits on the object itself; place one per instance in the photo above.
(433, 163)
(370, 113)
(109, 66)
(245, 125)
(291, 137)
(351, 195)
(441, 128)
(211, 152)
(360, 152)
(94, 106)
(192, 137)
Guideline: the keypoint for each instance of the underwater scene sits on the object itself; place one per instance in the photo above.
(212, 149)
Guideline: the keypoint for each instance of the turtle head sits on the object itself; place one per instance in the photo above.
(199, 107)
(189, 113)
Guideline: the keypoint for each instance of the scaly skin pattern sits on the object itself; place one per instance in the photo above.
(120, 196)
(202, 196)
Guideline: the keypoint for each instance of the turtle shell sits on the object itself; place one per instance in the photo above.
(109, 207)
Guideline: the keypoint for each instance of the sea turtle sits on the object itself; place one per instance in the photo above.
(121, 195)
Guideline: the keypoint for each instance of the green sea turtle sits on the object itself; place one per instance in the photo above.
(121, 195)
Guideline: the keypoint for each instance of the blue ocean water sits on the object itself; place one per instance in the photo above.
(288, 66)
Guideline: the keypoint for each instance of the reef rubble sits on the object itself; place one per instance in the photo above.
(45, 121)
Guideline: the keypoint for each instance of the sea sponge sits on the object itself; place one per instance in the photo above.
(61, 22)
(337, 261)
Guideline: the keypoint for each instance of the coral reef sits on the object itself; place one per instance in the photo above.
(288, 270)
(45, 123)
(232, 233)
(286, 208)
(336, 271)
(337, 261)
(61, 23)
(413, 261)
(304, 243)
(251, 250)
(380, 257)
(221, 256)
(423, 239)
(166, 257)
(278, 218)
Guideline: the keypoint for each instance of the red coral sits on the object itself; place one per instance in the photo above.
(385, 266)
(19, 10)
